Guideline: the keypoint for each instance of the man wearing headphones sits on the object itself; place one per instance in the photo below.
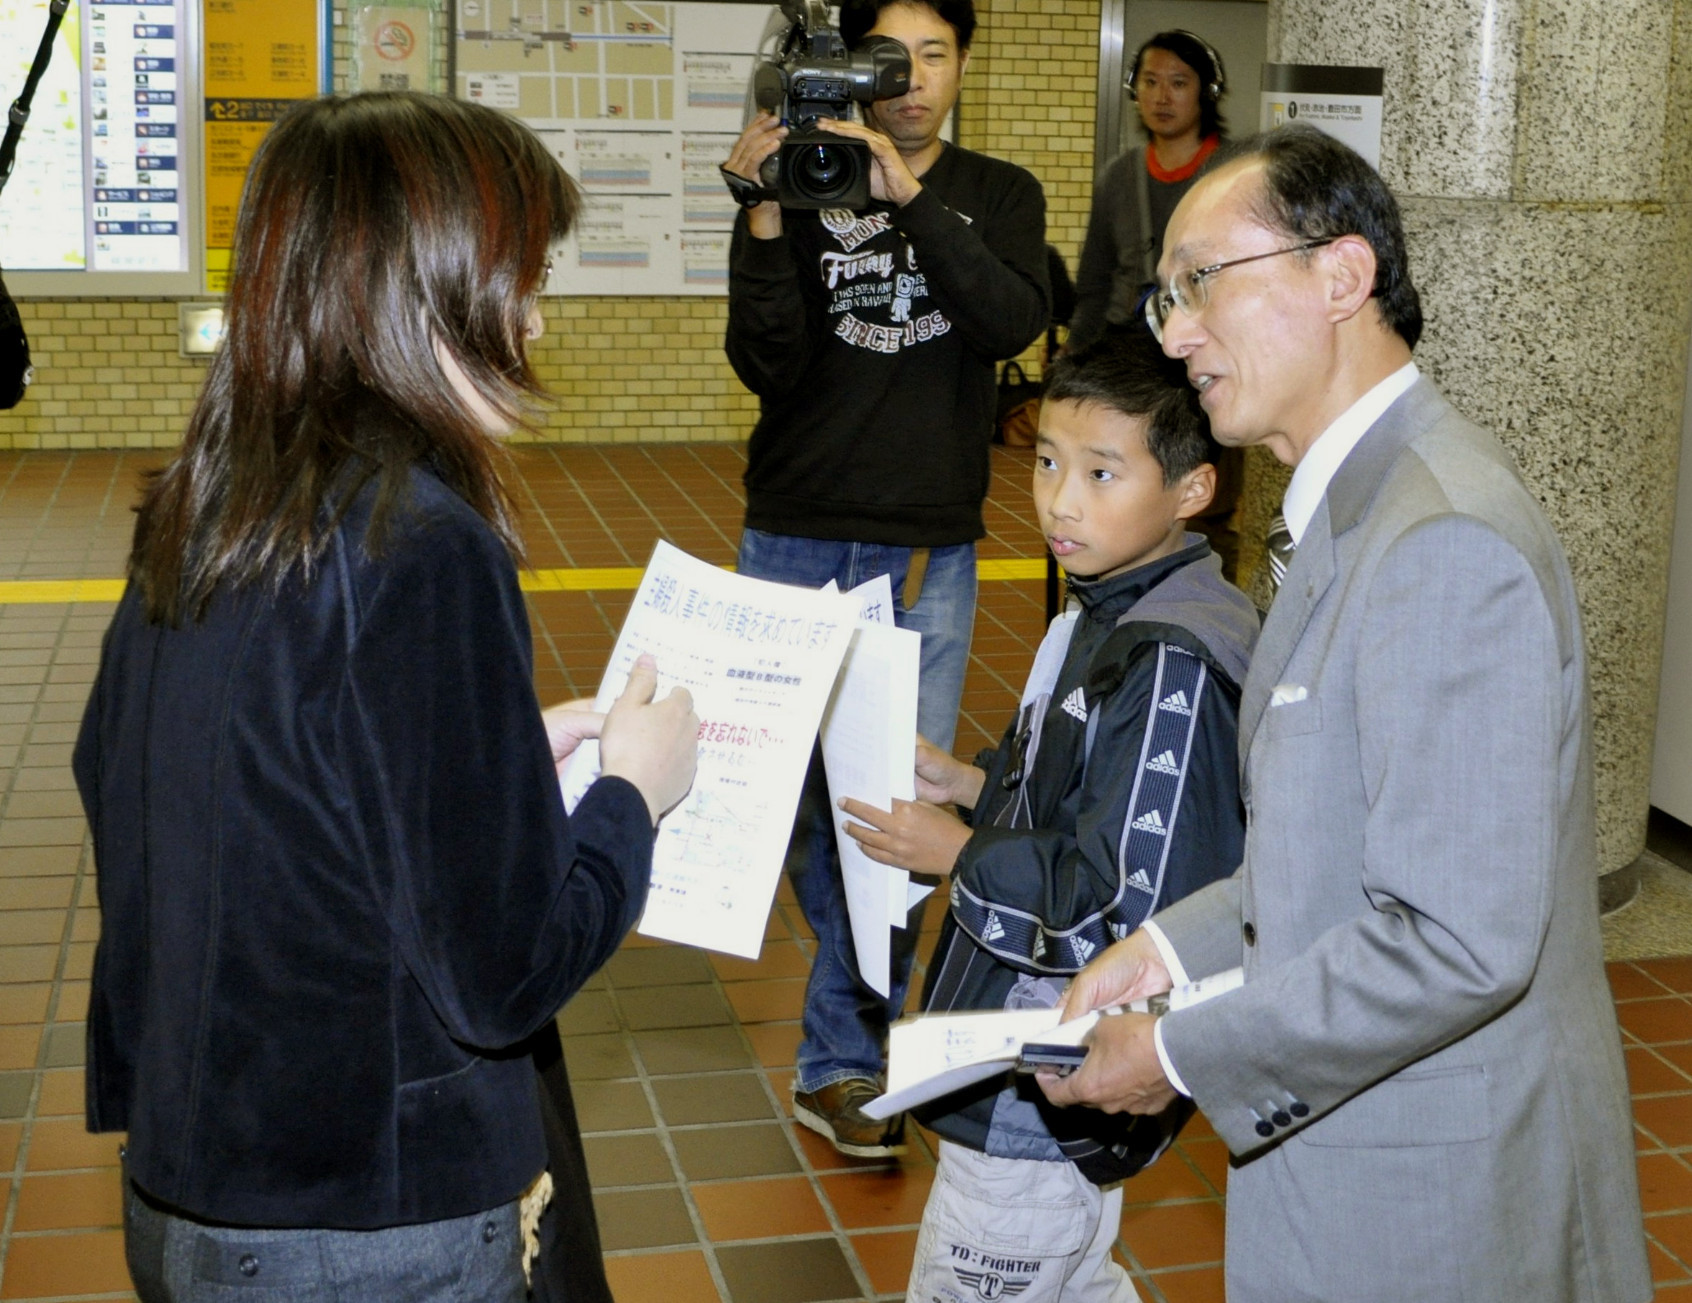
(1176, 83)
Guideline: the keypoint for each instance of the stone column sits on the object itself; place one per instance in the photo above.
(1542, 153)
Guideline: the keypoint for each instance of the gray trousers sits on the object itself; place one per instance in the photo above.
(174, 1259)
(1003, 1228)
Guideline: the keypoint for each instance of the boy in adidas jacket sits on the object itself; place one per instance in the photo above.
(1113, 793)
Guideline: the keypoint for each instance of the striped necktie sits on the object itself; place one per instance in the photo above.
(1281, 548)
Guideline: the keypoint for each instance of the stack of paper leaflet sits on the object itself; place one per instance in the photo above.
(768, 664)
(760, 660)
(930, 1055)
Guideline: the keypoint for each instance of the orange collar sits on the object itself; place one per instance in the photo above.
(1185, 172)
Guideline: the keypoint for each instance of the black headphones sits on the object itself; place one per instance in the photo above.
(1212, 89)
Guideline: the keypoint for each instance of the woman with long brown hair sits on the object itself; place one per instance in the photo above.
(339, 890)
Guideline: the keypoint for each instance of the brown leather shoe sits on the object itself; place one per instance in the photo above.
(836, 1111)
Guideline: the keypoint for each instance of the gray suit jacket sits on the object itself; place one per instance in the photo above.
(1422, 1077)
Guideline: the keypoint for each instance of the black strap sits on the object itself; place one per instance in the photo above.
(20, 107)
(748, 194)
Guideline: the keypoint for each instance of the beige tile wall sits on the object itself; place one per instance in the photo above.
(636, 369)
(107, 375)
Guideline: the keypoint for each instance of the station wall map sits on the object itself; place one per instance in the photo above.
(640, 102)
(98, 183)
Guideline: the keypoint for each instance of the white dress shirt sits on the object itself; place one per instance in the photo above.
(1311, 476)
(1310, 480)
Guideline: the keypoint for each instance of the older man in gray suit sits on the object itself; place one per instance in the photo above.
(1421, 1080)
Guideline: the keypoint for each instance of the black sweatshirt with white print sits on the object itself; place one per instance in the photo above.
(871, 338)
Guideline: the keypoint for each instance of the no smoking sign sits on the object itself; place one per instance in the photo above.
(395, 41)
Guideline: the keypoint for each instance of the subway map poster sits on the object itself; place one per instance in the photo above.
(640, 102)
(98, 182)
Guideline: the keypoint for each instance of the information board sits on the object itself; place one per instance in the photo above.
(98, 185)
(1344, 102)
(640, 102)
(260, 57)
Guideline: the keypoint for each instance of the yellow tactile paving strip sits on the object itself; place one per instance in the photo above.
(588, 579)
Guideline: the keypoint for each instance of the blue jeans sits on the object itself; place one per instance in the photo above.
(176, 1259)
(845, 1022)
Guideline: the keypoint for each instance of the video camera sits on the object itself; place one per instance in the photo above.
(815, 76)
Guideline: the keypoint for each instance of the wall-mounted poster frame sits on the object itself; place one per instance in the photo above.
(394, 45)
(640, 102)
(1345, 102)
(104, 201)
(260, 58)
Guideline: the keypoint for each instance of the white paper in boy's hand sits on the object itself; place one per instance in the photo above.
(903, 895)
(869, 748)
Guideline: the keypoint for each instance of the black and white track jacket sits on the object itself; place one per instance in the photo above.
(1113, 793)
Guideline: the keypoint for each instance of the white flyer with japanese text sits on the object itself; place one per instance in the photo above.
(760, 660)
(868, 746)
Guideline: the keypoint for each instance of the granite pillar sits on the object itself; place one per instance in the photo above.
(1542, 153)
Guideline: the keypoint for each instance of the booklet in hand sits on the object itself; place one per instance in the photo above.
(933, 1054)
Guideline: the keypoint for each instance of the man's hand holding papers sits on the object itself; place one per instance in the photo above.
(1132, 969)
(1121, 1073)
(933, 1054)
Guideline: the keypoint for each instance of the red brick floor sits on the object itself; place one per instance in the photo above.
(706, 1190)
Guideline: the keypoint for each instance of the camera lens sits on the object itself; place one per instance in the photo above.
(825, 171)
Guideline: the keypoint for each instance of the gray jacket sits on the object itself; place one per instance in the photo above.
(1124, 242)
(1422, 1076)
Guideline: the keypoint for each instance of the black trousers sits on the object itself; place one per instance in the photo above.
(570, 1269)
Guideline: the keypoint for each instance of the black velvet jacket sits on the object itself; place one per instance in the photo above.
(338, 887)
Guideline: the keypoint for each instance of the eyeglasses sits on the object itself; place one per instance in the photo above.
(1190, 291)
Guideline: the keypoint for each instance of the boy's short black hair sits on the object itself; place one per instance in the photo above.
(858, 16)
(1126, 371)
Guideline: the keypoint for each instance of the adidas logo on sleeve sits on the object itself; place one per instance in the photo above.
(1151, 821)
(1076, 704)
(1175, 703)
(1164, 764)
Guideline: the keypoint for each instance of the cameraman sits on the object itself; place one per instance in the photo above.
(870, 339)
